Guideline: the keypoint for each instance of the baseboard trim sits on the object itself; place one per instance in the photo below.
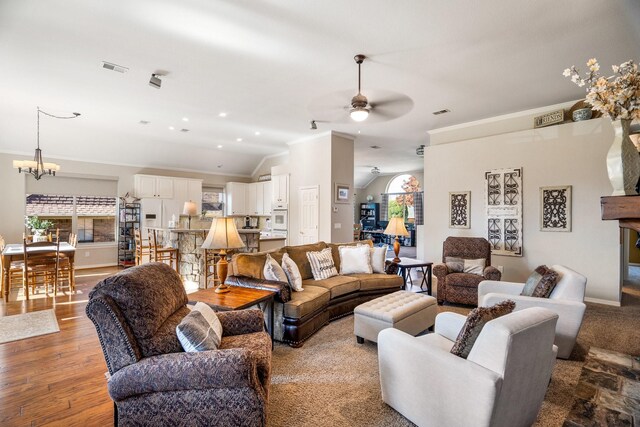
(86, 267)
(602, 301)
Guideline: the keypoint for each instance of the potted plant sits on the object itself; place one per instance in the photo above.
(38, 226)
(617, 97)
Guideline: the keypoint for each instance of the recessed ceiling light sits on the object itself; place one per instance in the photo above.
(223, 114)
(184, 130)
(144, 122)
(185, 119)
(219, 146)
(437, 113)
(239, 139)
(171, 128)
(358, 131)
(257, 133)
(375, 147)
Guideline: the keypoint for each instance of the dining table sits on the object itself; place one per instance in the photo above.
(15, 252)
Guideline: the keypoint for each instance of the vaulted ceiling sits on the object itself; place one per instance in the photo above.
(272, 66)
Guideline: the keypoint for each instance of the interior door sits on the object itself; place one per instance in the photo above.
(308, 215)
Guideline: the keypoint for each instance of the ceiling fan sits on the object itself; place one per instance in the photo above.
(386, 105)
(359, 103)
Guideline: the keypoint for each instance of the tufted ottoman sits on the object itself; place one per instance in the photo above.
(407, 311)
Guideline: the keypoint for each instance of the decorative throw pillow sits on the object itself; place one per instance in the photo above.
(292, 272)
(454, 264)
(200, 330)
(322, 266)
(474, 266)
(476, 320)
(378, 258)
(541, 282)
(355, 259)
(273, 271)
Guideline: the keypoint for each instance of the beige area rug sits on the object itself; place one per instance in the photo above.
(27, 325)
(333, 381)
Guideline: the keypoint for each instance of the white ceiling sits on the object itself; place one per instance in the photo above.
(272, 65)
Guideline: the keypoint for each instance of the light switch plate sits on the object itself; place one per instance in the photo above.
(337, 225)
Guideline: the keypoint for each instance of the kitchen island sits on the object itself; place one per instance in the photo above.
(189, 241)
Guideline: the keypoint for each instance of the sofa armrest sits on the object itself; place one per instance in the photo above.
(240, 322)
(491, 273)
(282, 289)
(489, 286)
(449, 324)
(215, 369)
(440, 270)
(414, 367)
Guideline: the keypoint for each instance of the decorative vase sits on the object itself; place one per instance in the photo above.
(39, 235)
(582, 114)
(623, 160)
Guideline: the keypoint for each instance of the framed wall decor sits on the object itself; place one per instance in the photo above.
(555, 208)
(343, 193)
(460, 209)
(503, 199)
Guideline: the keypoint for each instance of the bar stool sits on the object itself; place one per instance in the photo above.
(142, 250)
(162, 254)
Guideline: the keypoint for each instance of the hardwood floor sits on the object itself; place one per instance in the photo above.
(56, 379)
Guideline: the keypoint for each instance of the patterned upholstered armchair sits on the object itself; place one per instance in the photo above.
(152, 381)
(460, 287)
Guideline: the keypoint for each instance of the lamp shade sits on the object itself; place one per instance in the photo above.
(223, 234)
(190, 208)
(396, 227)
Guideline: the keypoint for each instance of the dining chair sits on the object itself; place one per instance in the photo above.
(142, 250)
(357, 228)
(211, 257)
(41, 265)
(65, 270)
(15, 269)
(159, 253)
(73, 239)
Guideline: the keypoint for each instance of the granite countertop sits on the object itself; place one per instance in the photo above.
(203, 230)
(272, 238)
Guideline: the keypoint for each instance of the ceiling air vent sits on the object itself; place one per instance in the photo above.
(114, 67)
(184, 130)
(437, 113)
(375, 147)
(144, 122)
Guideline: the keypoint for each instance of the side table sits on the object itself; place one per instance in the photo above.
(404, 269)
(237, 298)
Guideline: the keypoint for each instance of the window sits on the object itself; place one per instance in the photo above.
(213, 202)
(401, 204)
(94, 216)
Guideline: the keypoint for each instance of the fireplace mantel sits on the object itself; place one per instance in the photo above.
(625, 209)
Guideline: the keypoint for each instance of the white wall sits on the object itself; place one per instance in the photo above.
(267, 163)
(567, 154)
(13, 190)
(342, 173)
(322, 161)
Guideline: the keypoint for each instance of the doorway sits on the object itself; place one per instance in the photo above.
(309, 214)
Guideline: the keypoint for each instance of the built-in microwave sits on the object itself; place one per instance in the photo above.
(279, 220)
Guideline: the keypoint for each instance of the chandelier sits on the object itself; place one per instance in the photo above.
(37, 167)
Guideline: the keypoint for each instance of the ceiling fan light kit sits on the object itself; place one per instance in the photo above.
(359, 114)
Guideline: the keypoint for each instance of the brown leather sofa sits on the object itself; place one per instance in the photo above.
(298, 315)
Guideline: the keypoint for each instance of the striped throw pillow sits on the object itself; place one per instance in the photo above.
(322, 265)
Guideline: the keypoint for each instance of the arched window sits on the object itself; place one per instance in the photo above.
(399, 203)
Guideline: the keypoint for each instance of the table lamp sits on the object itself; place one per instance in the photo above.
(396, 228)
(223, 235)
(190, 209)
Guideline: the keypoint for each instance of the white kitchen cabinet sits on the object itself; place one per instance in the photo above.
(153, 187)
(194, 193)
(267, 188)
(251, 207)
(259, 198)
(280, 185)
(236, 194)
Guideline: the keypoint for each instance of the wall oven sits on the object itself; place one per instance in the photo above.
(279, 220)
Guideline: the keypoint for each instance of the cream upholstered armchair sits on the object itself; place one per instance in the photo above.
(462, 288)
(566, 300)
(501, 383)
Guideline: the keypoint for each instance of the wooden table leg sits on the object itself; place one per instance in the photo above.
(5, 282)
(72, 279)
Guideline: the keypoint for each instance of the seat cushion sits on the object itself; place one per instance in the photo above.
(465, 280)
(299, 255)
(378, 281)
(337, 285)
(309, 300)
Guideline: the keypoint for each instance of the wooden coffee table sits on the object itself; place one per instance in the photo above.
(238, 298)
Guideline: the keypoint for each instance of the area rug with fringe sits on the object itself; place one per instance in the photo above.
(27, 325)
